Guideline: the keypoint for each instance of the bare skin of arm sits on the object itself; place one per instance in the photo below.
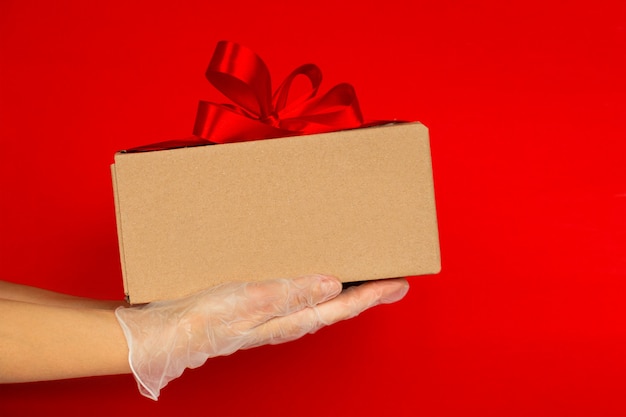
(28, 294)
(46, 335)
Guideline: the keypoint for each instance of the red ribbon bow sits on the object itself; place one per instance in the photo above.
(243, 77)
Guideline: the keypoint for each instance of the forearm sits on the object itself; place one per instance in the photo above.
(17, 292)
(43, 342)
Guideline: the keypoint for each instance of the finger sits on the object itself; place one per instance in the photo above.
(355, 300)
(350, 303)
(280, 297)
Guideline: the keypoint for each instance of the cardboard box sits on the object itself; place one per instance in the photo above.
(358, 204)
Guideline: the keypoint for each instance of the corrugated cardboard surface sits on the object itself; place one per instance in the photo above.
(358, 204)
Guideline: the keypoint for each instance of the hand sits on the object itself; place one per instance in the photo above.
(166, 337)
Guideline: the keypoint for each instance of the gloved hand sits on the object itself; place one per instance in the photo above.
(165, 337)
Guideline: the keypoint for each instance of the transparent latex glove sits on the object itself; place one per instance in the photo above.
(165, 337)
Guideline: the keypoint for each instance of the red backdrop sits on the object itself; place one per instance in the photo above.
(526, 106)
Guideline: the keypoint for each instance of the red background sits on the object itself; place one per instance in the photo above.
(526, 106)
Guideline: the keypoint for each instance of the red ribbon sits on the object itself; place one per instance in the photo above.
(242, 76)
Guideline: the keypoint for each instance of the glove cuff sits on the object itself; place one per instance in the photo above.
(147, 365)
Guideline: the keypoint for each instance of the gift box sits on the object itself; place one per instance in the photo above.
(357, 203)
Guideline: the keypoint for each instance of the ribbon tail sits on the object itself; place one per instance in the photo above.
(169, 144)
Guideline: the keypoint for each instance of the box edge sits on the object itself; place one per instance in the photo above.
(120, 237)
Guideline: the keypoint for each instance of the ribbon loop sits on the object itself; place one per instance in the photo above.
(239, 74)
(312, 72)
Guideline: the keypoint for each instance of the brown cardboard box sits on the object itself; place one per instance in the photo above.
(358, 204)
